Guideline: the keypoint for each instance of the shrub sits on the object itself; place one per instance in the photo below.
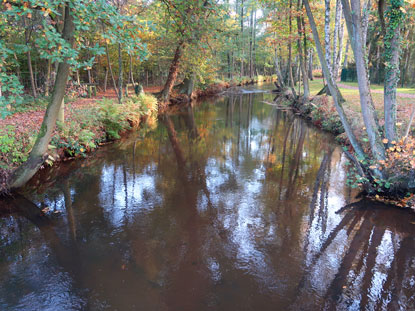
(113, 118)
(13, 150)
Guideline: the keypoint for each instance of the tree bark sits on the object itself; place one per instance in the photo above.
(306, 93)
(173, 72)
(391, 82)
(327, 35)
(131, 74)
(114, 84)
(365, 21)
(354, 27)
(346, 54)
(37, 156)
(120, 74)
(332, 85)
(280, 79)
(337, 40)
(242, 39)
(310, 64)
(289, 65)
(48, 78)
(32, 79)
(106, 80)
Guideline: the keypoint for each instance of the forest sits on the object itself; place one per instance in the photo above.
(207, 155)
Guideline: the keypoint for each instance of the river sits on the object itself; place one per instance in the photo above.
(229, 204)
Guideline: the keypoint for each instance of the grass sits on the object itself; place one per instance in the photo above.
(352, 104)
(317, 84)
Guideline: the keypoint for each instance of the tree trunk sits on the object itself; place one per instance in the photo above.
(120, 74)
(131, 74)
(173, 72)
(327, 35)
(346, 54)
(280, 79)
(61, 113)
(365, 21)
(337, 40)
(332, 85)
(32, 79)
(49, 69)
(391, 79)
(229, 65)
(301, 56)
(251, 37)
(37, 156)
(338, 64)
(89, 76)
(114, 84)
(242, 39)
(29, 58)
(354, 27)
(254, 47)
(290, 71)
(106, 80)
(310, 64)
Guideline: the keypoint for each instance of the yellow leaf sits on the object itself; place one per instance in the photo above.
(385, 140)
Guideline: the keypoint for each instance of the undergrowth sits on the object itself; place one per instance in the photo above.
(81, 132)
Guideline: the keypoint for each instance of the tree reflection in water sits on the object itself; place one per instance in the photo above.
(232, 206)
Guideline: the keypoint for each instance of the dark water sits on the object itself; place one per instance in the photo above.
(233, 205)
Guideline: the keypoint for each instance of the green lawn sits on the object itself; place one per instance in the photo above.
(317, 84)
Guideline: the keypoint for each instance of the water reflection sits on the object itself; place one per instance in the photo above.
(228, 206)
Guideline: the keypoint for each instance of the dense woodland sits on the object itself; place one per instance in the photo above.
(52, 51)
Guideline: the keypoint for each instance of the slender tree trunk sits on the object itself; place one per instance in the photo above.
(365, 21)
(310, 64)
(338, 63)
(391, 82)
(337, 40)
(61, 113)
(38, 153)
(354, 27)
(280, 79)
(251, 37)
(48, 73)
(242, 38)
(29, 58)
(290, 72)
(106, 80)
(131, 74)
(114, 84)
(254, 47)
(229, 64)
(327, 35)
(120, 74)
(346, 53)
(332, 85)
(173, 72)
(78, 79)
(32, 79)
(89, 76)
(301, 56)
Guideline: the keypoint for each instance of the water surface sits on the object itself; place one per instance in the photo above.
(231, 204)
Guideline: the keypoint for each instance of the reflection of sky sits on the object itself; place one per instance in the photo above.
(123, 196)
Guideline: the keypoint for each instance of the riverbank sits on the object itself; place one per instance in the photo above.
(321, 112)
(89, 123)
